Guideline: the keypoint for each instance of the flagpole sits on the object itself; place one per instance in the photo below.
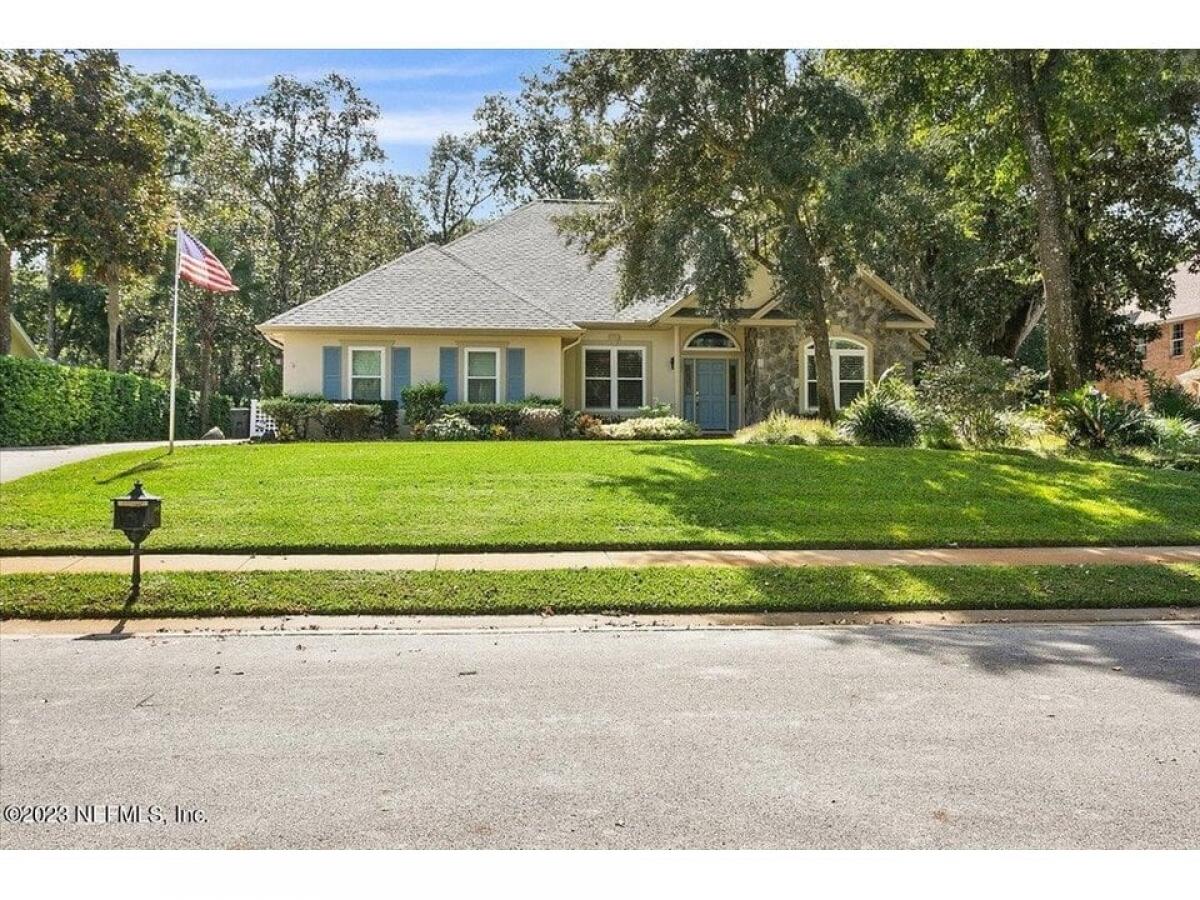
(174, 334)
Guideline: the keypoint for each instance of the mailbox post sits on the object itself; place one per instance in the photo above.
(137, 514)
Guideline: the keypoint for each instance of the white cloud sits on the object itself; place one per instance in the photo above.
(357, 74)
(423, 126)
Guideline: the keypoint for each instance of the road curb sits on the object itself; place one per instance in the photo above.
(266, 626)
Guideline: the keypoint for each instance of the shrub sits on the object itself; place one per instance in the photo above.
(655, 410)
(875, 418)
(43, 403)
(781, 428)
(498, 433)
(969, 394)
(423, 401)
(450, 428)
(662, 428)
(1167, 398)
(294, 412)
(1174, 436)
(485, 415)
(541, 422)
(588, 426)
(348, 421)
(1091, 419)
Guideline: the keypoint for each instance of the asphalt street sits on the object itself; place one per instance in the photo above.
(963, 736)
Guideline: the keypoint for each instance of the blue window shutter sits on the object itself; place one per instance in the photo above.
(401, 372)
(515, 374)
(448, 372)
(331, 373)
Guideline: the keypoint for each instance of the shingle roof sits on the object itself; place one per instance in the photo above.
(1186, 304)
(517, 272)
(526, 251)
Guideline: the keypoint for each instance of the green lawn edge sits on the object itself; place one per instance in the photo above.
(647, 590)
(547, 496)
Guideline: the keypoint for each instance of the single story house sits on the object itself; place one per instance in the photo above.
(1169, 355)
(510, 310)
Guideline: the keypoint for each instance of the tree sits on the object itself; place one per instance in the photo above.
(82, 169)
(536, 146)
(455, 185)
(722, 161)
(1071, 170)
(304, 146)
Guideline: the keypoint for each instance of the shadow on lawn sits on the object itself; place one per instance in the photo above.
(147, 465)
(852, 496)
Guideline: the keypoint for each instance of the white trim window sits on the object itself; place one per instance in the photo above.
(481, 369)
(850, 372)
(614, 378)
(366, 373)
(1177, 339)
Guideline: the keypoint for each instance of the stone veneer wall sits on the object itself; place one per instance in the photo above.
(773, 352)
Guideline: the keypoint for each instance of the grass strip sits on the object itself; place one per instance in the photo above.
(514, 495)
(665, 590)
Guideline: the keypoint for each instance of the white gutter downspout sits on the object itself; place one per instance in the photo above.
(571, 346)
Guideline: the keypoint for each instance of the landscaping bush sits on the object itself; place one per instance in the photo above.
(781, 428)
(498, 433)
(655, 410)
(293, 414)
(43, 403)
(450, 428)
(876, 418)
(1091, 419)
(1174, 436)
(588, 426)
(540, 422)
(662, 428)
(348, 421)
(423, 401)
(485, 415)
(968, 396)
(1167, 398)
(388, 421)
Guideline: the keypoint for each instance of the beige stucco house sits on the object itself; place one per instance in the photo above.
(510, 310)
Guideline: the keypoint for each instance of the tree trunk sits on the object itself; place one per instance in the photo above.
(804, 284)
(51, 307)
(5, 298)
(207, 322)
(113, 308)
(1053, 241)
(818, 330)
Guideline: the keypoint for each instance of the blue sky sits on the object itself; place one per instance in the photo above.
(421, 93)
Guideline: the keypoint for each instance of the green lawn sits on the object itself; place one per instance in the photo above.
(817, 589)
(411, 496)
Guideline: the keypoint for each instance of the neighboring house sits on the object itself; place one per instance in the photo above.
(510, 310)
(1169, 356)
(21, 344)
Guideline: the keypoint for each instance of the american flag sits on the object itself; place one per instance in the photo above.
(199, 266)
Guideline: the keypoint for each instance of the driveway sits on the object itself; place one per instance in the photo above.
(18, 462)
(967, 736)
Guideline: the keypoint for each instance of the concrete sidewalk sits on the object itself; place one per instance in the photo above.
(601, 559)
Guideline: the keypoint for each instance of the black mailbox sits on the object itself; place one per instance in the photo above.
(137, 513)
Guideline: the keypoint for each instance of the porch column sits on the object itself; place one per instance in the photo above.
(678, 373)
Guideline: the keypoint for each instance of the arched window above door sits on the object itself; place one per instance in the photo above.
(711, 339)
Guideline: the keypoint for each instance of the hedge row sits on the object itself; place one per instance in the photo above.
(43, 403)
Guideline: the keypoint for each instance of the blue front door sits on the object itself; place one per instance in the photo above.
(712, 394)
